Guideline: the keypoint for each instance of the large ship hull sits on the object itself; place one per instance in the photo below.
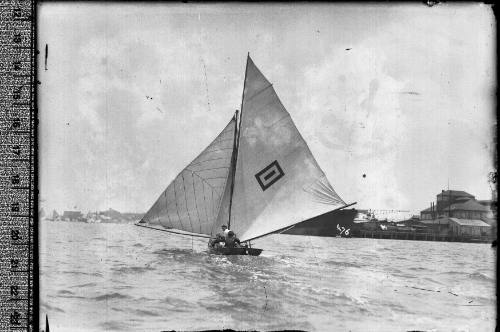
(333, 223)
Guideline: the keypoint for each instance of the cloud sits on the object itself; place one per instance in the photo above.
(355, 111)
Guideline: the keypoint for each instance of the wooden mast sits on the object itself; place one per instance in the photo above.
(236, 144)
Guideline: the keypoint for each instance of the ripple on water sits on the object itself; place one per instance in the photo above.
(68, 294)
(132, 269)
(141, 312)
(170, 303)
(480, 277)
(94, 274)
(115, 325)
(296, 286)
(111, 296)
(342, 263)
(88, 284)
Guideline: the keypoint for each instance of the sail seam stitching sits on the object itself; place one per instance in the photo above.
(206, 169)
(195, 202)
(203, 161)
(185, 200)
(176, 206)
(166, 208)
(204, 200)
(222, 149)
(277, 121)
(258, 93)
(202, 179)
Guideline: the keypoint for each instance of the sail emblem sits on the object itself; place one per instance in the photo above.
(269, 175)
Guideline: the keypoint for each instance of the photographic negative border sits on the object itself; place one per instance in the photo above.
(19, 178)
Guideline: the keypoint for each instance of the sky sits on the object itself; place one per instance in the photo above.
(396, 102)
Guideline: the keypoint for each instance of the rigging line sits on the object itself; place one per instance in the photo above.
(185, 199)
(174, 232)
(196, 203)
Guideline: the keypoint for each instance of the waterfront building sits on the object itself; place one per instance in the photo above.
(456, 204)
(72, 216)
(469, 228)
(447, 197)
(438, 226)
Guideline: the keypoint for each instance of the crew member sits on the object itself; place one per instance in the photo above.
(232, 240)
(219, 237)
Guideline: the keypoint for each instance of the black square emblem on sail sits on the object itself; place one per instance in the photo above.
(269, 175)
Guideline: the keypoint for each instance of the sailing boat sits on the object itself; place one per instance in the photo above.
(258, 176)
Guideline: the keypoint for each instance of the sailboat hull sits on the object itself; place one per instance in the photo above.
(327, 224)
(235, 251)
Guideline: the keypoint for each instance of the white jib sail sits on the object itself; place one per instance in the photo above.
(278, 183)
(191, 202)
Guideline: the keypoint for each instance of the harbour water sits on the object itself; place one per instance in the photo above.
(116, 277)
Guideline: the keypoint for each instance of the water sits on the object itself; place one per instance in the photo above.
(110, 277)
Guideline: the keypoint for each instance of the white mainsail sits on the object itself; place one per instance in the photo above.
(278, 183)
(191, 202)
(271, 182)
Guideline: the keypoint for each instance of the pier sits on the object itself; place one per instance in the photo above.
(427, 236)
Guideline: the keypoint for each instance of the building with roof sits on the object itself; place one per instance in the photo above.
(438, 225)
(447, 197)
(471, 228)
(470, 209)
(72, 216)
(456, 204)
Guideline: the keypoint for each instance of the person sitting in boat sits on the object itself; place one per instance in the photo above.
(224, 232)
(232, 241)
(220, 238)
